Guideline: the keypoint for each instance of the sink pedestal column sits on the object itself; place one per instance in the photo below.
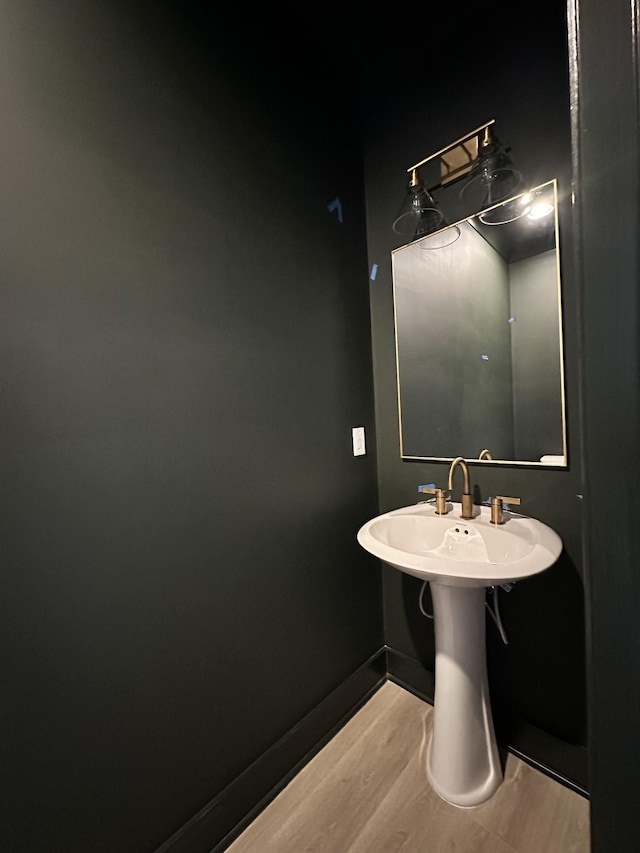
(463, 765)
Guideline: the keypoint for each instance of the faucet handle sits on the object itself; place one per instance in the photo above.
(441, 498)
(496, 507)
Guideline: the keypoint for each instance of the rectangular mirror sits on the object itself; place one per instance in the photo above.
(478, 329)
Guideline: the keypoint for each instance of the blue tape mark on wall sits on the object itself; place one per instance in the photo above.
(374, 272)
(485, 358)
(336, 204)
(512, 319)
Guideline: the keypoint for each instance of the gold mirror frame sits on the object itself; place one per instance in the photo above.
(463, 388)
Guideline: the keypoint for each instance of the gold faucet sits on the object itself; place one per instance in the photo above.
(497, 516)
(467, 499)
(441, 498)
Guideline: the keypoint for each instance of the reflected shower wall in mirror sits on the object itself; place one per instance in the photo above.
(479, 337)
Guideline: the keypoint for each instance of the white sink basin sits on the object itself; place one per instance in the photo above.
(458, 552)
(459, 558)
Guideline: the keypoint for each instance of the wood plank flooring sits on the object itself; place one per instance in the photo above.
(367, 792)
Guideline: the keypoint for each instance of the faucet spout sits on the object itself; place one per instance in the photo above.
(467, 499)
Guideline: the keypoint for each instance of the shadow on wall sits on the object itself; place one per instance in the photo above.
(543, 716)
(414, 594)
(540, 641)
(547, 646)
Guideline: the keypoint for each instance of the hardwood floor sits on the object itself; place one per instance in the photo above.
(367, 792)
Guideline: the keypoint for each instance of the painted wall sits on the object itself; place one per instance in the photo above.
(185, 346)
(108, 175)
(519, 77)
(605, 105)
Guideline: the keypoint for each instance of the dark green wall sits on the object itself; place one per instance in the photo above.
(606, 111)
(185, 346)
(478, 66)
(185, 339)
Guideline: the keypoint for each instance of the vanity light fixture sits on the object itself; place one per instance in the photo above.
(501, 181)
(536, 206)
(540, 210)
(506, 211)
(418, 215)
(484, 161)
(540, 204)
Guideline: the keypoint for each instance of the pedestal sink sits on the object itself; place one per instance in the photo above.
(460, 558)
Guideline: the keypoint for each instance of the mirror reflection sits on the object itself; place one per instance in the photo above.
(479, 337)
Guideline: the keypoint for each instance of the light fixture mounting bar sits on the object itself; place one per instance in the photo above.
(458, 157)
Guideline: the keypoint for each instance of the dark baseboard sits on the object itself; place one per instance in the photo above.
(567, 763)
(221, 821)
(410, 674)
(218, 824)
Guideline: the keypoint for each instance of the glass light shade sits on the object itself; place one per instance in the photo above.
(418, 214)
